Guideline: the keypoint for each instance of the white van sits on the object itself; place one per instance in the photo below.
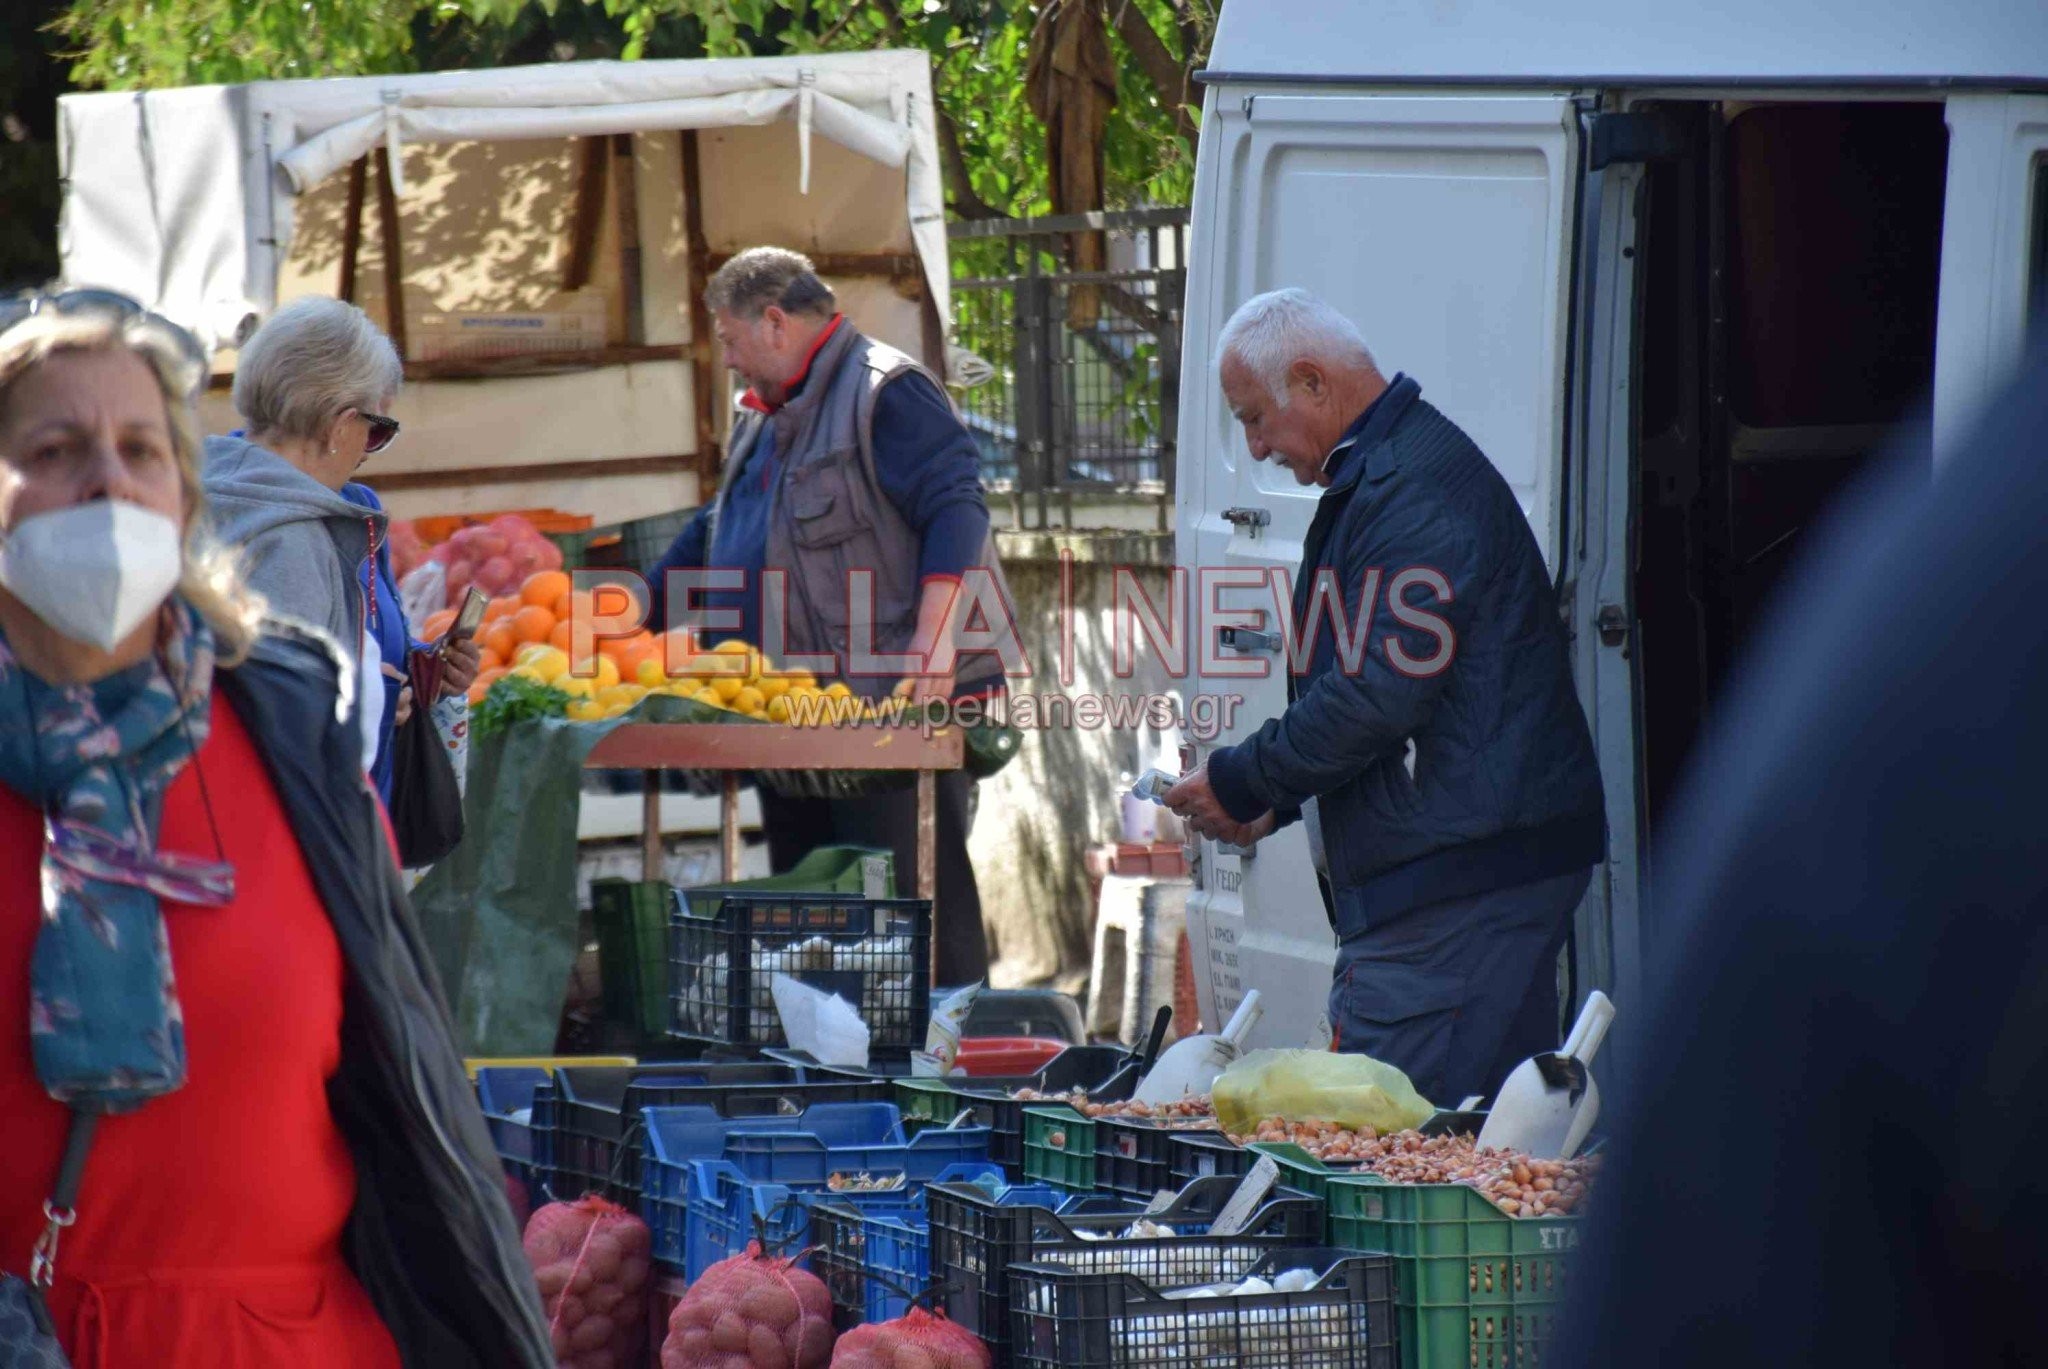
(1678, 270)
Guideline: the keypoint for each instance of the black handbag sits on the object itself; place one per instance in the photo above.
(426, 802)
(28, 1340)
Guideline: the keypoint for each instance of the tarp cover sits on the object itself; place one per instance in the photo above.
(154, 208)
(499, 915)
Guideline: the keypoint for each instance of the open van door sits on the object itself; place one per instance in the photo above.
(1443, 226)
(1994, 253)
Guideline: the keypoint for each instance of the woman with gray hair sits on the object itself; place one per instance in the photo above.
(315, 385)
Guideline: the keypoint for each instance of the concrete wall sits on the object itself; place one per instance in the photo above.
(1061, 794)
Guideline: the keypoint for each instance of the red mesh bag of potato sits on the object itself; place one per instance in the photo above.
(919, 1339)
(751, 1311)
(591, 1260)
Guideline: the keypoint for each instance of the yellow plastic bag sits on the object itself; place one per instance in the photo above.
(1322, 1086)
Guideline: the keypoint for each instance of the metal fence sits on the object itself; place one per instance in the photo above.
(1083, 398)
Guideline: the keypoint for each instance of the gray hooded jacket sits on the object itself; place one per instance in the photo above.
(301, 543)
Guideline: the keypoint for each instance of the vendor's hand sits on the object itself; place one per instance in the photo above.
(1196, 803)
(391, 672)
(920, 689)
(1248, 834)
(459, 663)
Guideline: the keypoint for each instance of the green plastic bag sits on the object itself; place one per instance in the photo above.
(499, 914)
(1322, 1086)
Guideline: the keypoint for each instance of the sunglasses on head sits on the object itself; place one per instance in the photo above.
(109, 304)
(382, 431)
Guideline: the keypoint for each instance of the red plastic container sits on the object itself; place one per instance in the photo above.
(1006, 1055)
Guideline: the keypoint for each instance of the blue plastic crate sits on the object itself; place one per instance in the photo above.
(503, 1092)
(588, 1118)
(717, 1216)
(808, 1148)
(871, 1256)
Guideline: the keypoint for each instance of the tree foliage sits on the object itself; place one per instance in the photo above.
(993, 146)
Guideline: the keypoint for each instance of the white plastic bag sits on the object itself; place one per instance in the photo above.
(423, 591)
(821, 1023)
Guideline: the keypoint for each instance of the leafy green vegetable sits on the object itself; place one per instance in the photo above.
(514, 699)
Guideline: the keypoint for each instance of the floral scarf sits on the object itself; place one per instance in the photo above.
(104, 1022)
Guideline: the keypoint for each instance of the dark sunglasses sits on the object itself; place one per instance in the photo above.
(123, 310)
(382, 431)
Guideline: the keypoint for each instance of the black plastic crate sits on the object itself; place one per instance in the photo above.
(1107, 1073)
(1078, 1319)
(975, 1241)
(587, 1123)
(873, 952)
(1134, 1157)
(1199, 1154)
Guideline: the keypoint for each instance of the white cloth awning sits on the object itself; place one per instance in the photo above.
(420, 119)
(186, 198)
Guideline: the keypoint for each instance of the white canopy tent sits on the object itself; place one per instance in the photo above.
(185, 198)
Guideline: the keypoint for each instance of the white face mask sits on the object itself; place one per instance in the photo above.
(93, 572)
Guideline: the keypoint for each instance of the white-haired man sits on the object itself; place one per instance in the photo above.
(1439, 758)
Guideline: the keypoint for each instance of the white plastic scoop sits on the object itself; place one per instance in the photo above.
(1191, 1066)
(1548, 1105)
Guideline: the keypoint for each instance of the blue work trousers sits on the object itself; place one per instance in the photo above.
(1456, 993)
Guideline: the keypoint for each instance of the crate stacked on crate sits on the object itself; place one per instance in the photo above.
(588, 1120)
(1301, 1308)
(725, 951)
(1473, 1286)
(709, 1184)
(977, 1242)
(873, 1257)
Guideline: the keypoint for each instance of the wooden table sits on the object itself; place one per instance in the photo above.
(735, 748)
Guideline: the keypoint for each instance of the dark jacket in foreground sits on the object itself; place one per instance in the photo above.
(1827, 1146)
(432, 1237)
(1502, 788)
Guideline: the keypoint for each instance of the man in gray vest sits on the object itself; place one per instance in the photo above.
(846, 457)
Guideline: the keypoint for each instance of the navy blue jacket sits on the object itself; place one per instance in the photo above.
(1502, 787)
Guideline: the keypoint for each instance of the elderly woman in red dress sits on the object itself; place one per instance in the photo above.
(211, 990)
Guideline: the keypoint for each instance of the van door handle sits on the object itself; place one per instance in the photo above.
(1612, 624)
(1250, 520)
(1247, 640)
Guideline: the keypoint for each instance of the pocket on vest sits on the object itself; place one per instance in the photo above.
(822, 504)
(832, 534)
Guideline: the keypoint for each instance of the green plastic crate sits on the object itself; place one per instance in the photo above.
(631, 916)
(1473, 1287)
(926, 1102)
(1059, 1148)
